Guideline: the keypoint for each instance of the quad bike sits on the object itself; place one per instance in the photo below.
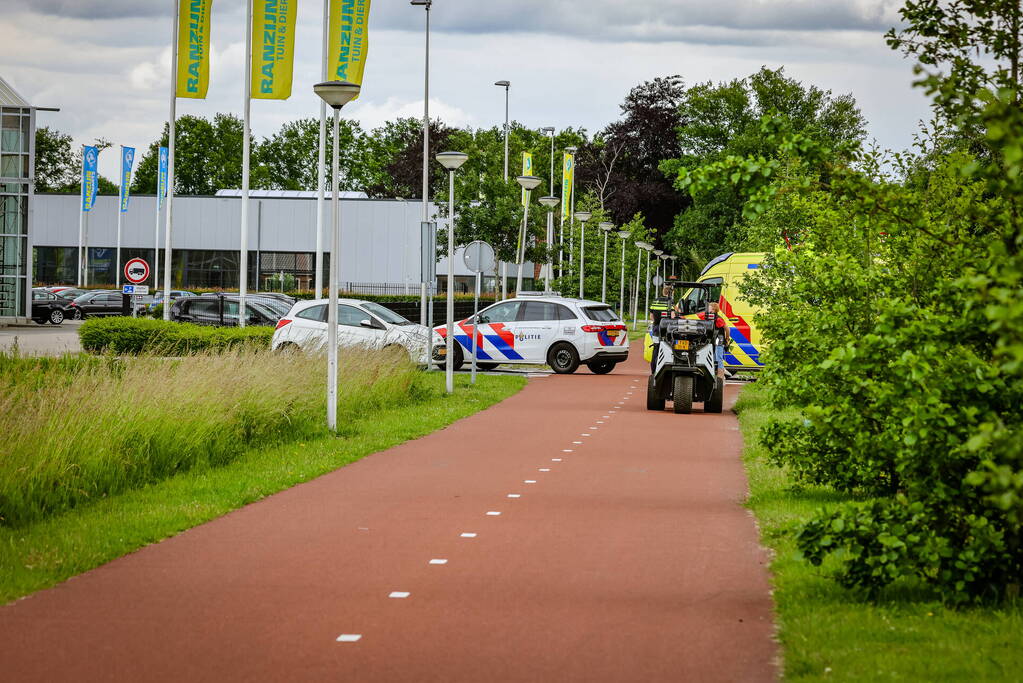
(683, 367)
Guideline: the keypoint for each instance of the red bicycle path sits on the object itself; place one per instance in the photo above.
(630, 558)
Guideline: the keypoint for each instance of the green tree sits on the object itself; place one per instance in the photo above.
(290, 156)
(718, 121)
(55, 168)
(207, 157)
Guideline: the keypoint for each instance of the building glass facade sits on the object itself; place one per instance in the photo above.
(16, 150)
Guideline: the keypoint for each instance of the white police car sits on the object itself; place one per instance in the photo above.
(537, 329)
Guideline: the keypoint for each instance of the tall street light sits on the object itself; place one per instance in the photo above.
(507, 90)
(550, 202)
(528, 183)
(582, 217)
(624, 235)
(657, 263)
(451, 161)
(426, 4)
(647, 248)
(335, 94)
(606, 227)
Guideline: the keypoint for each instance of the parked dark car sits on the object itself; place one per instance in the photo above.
(47, 307)
(221, 310)
(100, 302)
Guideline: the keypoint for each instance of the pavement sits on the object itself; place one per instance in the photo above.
(41, 340)
(566, 534)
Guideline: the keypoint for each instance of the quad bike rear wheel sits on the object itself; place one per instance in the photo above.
(683, 394)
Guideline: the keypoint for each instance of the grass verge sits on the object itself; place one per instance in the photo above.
(43, 553)
(829, 633)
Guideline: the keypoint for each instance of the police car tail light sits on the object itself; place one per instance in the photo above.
(281, 323)
(593, 328)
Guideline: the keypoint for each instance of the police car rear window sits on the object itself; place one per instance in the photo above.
(601, 314)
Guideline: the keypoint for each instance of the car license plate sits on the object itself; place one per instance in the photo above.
(613, 334)
(682, 345)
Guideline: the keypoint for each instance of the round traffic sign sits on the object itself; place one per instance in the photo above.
(658, 280)
(479, 257)
(136, 271)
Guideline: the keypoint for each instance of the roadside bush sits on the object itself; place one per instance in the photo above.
(895, 323)
(81, 428)
(122, 336)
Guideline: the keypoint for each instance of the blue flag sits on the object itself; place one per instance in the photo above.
(161, 184)
(127, 161)
(90, 160)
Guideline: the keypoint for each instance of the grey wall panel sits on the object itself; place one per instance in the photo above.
(380, 239)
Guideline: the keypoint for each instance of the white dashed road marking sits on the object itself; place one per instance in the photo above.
(529, 481)
(349, 637)
(438, 561)
(493, 513)
(468, 535)
(514, 495)
(399, 594)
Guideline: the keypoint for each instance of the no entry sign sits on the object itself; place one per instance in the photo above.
(136, 271)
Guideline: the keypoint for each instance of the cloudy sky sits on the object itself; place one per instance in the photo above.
(106, 63)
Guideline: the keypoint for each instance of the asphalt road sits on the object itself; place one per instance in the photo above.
(41, 340)
(566, 534)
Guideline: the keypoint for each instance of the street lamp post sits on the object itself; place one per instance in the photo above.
(423, 292)
(451, 161)
(336, 94)
(528, 183)
(582, 216)
(550, 202)
(624, 235)
(606, 227)
(657, 265)
(507, 91)
(647, 247)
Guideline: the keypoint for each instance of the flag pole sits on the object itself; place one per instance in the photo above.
(156, 228)
(243, 262)
(120, 218)
(321, 170)
(81, 223)
(167, 262)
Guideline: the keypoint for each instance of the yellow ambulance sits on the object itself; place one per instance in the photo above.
(728, 271)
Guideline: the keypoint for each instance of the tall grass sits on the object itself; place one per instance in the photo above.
(78, 429)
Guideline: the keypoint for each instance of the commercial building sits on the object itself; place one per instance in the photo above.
(380, 242)
(17, 164)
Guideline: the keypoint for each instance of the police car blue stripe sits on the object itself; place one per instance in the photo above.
(465, 340)
(503, 347)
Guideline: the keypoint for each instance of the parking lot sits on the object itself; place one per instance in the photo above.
(41, 340)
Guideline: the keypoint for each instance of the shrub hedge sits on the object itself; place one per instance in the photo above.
(142, 335)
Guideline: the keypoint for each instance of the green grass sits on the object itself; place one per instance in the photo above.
(831, 634)
(44, 553)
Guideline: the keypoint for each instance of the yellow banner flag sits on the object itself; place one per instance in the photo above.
(567, 185)
(527, 169)
(349, 40)
(273, 48)
(193, 48)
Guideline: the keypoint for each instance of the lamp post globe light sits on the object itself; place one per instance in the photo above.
(582, 217)
(657, 264)
(606, 227)
(452, 161)
(647, 247)
(335, 94)
(550, 202)
(528, 183)
(624, 236)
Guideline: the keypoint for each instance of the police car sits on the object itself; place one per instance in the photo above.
(541, 329)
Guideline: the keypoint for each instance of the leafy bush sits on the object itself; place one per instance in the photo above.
(896, 323)
(81, 428)
(121, 336)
